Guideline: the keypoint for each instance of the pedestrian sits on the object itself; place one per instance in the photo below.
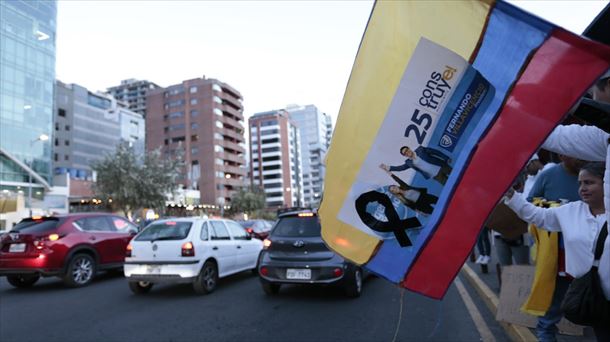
(580, 222)
(483, 246)
(555, 185)
(512, 250)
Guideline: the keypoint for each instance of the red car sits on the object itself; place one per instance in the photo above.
(257, 228)
(73, 247)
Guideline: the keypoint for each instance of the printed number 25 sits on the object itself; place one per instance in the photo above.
(419, 120)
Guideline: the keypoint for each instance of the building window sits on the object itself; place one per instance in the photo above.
(216, 87)
(56, 126)
(61, 112)
(56, 142)
(219, 161)
(66, 157)
(217, 111)
(193, 101)
(194, 137)
(218, 148)
(67, 127)
(217, 99)
(175, 115)
(177, 139)
(166, 141)
(194, 112)
(67, 142)
(270, 149)
(268, 123)
(194, 126)
(194, 151)
(56, 157)
(193, 89)
(219, 124)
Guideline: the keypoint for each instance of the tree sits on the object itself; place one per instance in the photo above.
(133, 181)
(248, 200)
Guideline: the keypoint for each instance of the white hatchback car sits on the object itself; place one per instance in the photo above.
(189, 250)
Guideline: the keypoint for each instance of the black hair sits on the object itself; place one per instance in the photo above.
(402, 148)
(597, 169)
(602, 83)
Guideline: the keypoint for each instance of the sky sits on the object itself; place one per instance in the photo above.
(275, 53)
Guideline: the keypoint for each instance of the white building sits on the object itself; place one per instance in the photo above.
(275, 161)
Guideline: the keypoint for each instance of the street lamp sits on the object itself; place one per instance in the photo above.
(42, 137)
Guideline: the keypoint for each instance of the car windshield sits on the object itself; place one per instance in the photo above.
(168, 230)
(296, 226)
(29, 225)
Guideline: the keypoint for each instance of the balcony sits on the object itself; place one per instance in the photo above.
(231, 99)
(230, 133)
(232, 122)
(231, 111)
(233, 146)
(231, 157)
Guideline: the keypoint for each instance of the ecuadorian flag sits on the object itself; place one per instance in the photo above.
(445, 104)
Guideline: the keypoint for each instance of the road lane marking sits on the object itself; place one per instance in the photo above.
(478, 320)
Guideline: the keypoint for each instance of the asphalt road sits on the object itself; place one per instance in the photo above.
(237, 311)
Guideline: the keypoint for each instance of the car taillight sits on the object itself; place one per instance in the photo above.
(264, 271)
(337, 272)
(187, 249)
(266, 243)
(249, 230)
(40, 242)
(128, 250)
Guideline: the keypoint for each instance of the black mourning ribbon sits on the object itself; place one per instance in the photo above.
(394, 223)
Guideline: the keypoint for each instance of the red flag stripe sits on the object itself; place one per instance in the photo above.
(552, 82)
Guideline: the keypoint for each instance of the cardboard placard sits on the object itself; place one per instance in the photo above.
(504, 220)
(516, 286)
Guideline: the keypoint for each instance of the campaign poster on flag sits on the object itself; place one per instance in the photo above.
(404, 177)
(438, 101)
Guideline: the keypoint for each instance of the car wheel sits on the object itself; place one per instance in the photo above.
(80, 271)
(207, 279)
(353, 285)
(140, 287)
(22, 281)
(270, 288)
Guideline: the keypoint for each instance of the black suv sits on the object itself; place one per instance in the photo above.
(294, 253)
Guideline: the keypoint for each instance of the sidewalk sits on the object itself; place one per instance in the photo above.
(488, 286)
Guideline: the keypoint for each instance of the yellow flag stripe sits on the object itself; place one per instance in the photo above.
(392, 33)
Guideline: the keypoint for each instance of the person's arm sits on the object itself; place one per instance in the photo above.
(436, 154)
(545, 218)
(400, 182)
(402, 167)
(582, 142)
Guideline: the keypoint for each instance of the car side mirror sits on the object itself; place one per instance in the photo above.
(249, 237)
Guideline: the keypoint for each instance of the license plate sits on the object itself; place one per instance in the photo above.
(17, 248)
(297, 273)
(153, 269)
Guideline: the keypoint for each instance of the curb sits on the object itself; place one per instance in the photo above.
(516, 332)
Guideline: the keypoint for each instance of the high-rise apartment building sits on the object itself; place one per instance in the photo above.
(133, 92)
(27, 78)
(316, 130)
(202, 118)
(89, 126)
(275, 162)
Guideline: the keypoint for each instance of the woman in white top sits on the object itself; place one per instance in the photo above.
(580, 223)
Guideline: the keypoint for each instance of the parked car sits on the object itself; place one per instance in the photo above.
(257, 228)
(73, 247)
(294, 253)
(189, 250)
